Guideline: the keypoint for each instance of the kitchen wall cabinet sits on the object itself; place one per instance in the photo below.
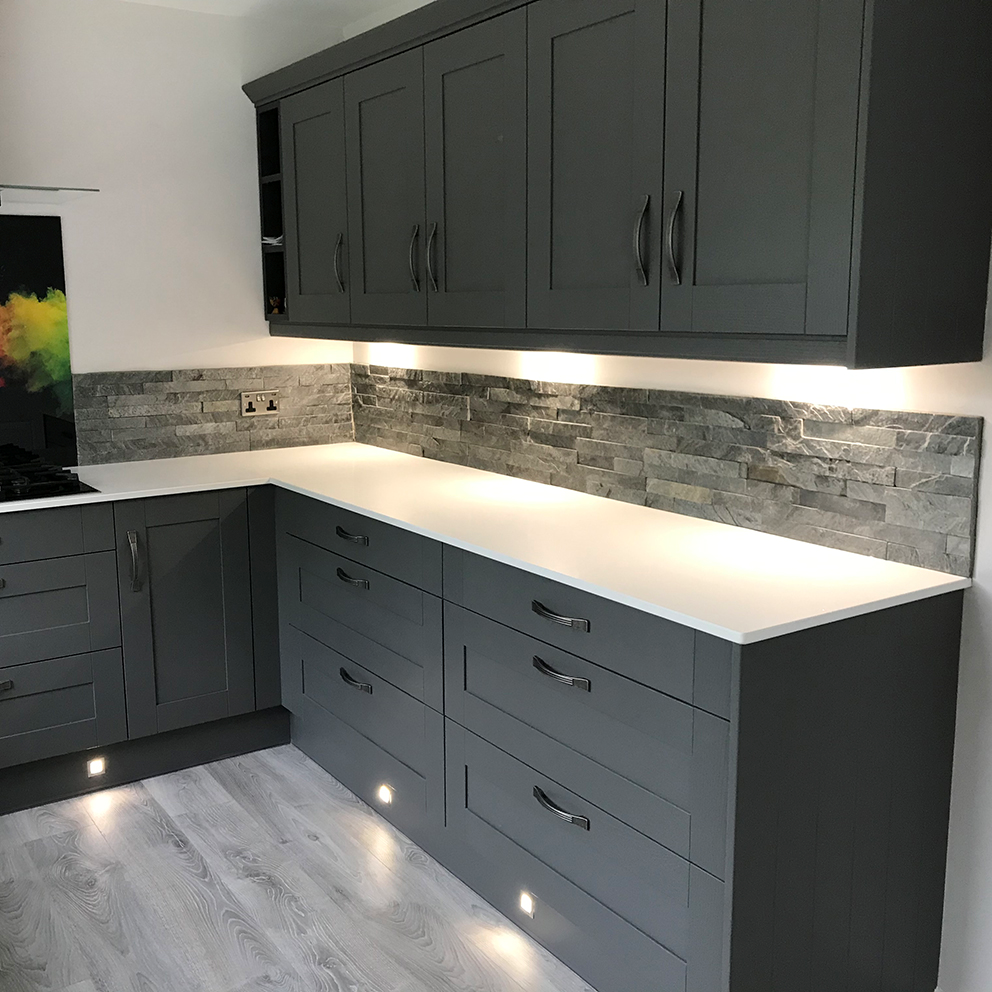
(316, 204)
(596, 85)
(186, 613)
(760, 158)
(770, 182)
(384, 128)
(475, 102)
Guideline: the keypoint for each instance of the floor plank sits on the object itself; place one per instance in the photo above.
(259, 873)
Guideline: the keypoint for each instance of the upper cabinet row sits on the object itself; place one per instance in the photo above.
(778, 180)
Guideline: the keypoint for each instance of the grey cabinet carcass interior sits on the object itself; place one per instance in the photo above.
(775, 181)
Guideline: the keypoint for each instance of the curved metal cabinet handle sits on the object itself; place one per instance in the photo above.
(354, 683)
(574, 681)
(6, 685)
(353, 538)
(132, 541)
(339, 244)
(414, 278)
(673, 264)
(542, 611)
(357, 583)
(639, 261)
(563, 814)
(431, 239)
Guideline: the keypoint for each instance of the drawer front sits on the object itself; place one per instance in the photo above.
(651, 650)
(60, 706)
(31, 535)
(356, 696)
(653, 761)
(641, 881)
(362, 765)
(390, 627)
(391, 550)
(59, 607)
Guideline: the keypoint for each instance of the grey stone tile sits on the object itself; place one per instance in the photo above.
(879, 436)
(844, 505)
(926, 482)
(927, 423)
(960, 547)
(671, 459)
(929, 511)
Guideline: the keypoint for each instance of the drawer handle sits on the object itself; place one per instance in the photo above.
(562, 814)
(3, 583)
(6, 685)
(542, 611)
(357, 583)
(132, 542)
(354, 683)
(353, 538)
(574, 681)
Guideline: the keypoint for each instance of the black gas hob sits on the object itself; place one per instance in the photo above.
(24, 475)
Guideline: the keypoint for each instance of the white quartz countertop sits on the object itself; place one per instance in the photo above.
(738, 584)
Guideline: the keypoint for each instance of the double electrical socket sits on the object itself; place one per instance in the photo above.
(262, 404)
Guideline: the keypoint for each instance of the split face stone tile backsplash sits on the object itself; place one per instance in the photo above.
(129, 416)
(901, 486)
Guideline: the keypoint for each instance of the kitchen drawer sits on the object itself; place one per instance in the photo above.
(31, 535)
(58, 607)
(415, 780)
(387, 549)
(603, 897)
(357, 696)
(647, 648)
(60, 706)
(653, 761)
(392, 628)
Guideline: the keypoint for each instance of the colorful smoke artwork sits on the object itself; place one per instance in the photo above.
(34, 346)
(36, 410)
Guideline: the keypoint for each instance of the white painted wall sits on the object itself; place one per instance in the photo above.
(144, 103)
(966, 964)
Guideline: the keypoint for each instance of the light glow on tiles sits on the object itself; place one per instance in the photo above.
(528, 904)
(385, 794)
(557, 366)
(877, 389)
(392, 355)
(96, 767)
(99, 805)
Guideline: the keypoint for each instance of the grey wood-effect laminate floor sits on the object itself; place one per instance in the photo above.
(256, 873)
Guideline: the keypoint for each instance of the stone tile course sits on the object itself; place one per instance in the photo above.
(130, 416)
(893, 485)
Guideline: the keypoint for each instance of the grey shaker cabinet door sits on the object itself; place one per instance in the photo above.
(475, 101)
(596, 89)
(316, 201)
(384, 126)
(185, 609)
(760, 149)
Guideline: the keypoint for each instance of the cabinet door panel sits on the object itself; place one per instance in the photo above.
(597, 71)
(759, 166)
(384, 112)
(186, 610)
(316, 204)
(476, 126)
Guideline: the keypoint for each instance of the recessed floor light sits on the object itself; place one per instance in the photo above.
(527, 903)
(96, 767)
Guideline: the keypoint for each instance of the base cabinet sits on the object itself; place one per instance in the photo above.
(660, 809)
(186, 612)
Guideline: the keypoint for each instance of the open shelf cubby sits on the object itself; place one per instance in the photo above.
(271, 213)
